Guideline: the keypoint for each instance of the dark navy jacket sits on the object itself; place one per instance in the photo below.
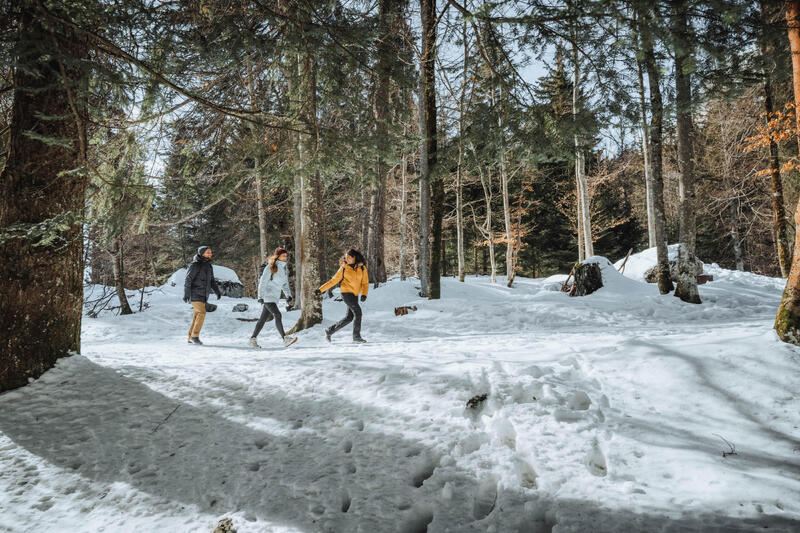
(200, 280)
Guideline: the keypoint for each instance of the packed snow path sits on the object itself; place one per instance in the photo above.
(603, 413)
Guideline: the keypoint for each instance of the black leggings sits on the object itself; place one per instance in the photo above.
(268, 311)
(353, 312)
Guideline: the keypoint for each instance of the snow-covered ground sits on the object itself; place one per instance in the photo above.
(603, 413)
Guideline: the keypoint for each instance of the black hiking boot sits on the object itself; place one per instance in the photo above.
(195, 340)
(328, 334)
(359, 340)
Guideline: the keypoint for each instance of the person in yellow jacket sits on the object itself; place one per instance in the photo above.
(354, 280)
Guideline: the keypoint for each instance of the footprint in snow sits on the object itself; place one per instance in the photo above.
(485, 498)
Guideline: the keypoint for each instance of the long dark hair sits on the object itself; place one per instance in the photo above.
(352, 252)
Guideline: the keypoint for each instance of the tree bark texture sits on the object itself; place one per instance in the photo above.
(778, 209)
(310, 196)
(429, 257)
(41, 291)
(656, 155)
(686, 288)
(787, 321)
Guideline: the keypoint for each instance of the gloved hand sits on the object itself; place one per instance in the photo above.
(261, 301)
(290, 302)
(363, 297)
(186, 299)
(219, 296)
(316, 292)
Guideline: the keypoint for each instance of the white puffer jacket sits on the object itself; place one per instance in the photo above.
(270, 285)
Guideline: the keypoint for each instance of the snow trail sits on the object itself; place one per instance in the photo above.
(602, 413)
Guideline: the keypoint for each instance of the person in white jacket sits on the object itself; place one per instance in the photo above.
(274, 280)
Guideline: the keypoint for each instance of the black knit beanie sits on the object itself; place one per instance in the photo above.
(202, 250)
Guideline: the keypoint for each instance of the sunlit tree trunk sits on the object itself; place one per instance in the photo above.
(787, 321)
(310, 190)
(648, 178)
(686, 289)
(656, 162)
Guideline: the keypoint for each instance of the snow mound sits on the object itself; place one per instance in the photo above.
(221, 273)
(615, 282)
(638, 264)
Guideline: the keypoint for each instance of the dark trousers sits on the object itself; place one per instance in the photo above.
(268, 311)
(353, 312)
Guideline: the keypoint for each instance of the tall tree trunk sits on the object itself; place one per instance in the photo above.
(310, 193)
(584, 210)
(656, 131)
(460, 162)
(787, 321)
(403, 222)
(384, 68)
(648, 178)
(42, 199)
(118, 269)
(778, 211)
(428, 257)
(486, 229)
(686, 289)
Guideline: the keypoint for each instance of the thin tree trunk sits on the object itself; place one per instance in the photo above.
(648, 179)
(736, 239)
(787, 320)
(585, 215)
(403, 223)
(428, 258)
(41, 292)
(310, 193)
(262, 213)
(486, 229)
(778, 211)
(686, 289)
(656, 131)
(118, 269)
(460, 162)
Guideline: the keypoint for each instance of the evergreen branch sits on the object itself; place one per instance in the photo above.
(107, 46)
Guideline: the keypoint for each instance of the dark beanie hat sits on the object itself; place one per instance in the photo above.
(280, 250)
(202, 250)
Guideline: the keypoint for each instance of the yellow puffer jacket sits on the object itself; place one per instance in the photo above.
(354, 280)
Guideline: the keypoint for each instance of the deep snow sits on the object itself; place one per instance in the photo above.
(604, 413)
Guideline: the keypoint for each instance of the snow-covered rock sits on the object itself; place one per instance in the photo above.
(228, 281)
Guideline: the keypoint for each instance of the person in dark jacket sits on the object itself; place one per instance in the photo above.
(354, 281)
(197, 288)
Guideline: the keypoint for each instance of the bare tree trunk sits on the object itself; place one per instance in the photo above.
(460, 163)
(736, 239)
(262, 214)
(778, 210)
(486, 229)
(118, 268)
(366, 214)
(656, 131)
(648, 179)
(787, 320)
(584, 211)
(686, 289)
(310, 194)
(403, 223)
(427, 109)
(41, 292)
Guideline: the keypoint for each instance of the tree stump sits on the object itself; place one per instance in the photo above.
(587, 279)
